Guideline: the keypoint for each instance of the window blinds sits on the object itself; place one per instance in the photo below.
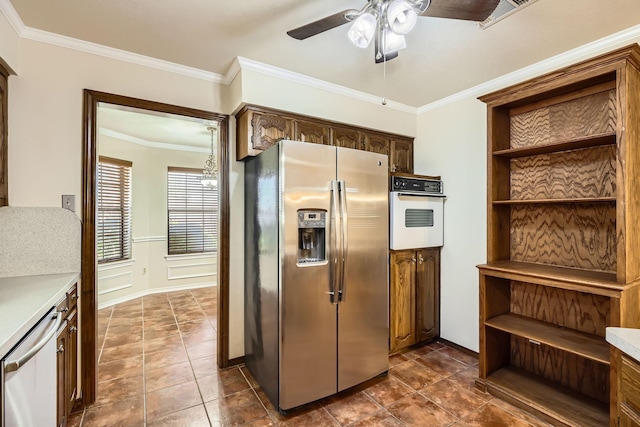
(192, 213)
(113, 233)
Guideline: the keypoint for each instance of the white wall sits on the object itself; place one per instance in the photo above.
(452, 143)
(150, 270)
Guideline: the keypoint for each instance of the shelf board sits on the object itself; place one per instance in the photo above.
(580, 343)
(597, 282)
(549, 201)
(571, 144)
(550, 399)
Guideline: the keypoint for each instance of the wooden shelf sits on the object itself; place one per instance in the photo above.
(589, 346)
(585, 200)
(571, 144)
(598, 282)
(547, 399)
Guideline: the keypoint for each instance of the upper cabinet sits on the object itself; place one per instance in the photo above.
(259, 128)
(4, 107)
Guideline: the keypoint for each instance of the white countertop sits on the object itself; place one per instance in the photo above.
(625, 339)
(24, 300)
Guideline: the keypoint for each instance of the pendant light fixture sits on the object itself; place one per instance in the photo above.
(210, 171)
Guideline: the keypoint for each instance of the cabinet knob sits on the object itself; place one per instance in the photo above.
(420, 260)
(393, 168)
(73, 329)
(413, 259)
(60, 349)
(74, 296)
(64, 309)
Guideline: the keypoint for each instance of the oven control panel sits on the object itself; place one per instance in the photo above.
(417, 185)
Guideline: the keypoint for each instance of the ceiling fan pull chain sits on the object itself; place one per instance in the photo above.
(384, 70)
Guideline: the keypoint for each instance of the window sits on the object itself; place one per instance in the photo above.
(113, 234)
(192, 213)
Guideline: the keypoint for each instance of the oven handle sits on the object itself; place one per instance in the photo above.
(439, 196)
(14, 365)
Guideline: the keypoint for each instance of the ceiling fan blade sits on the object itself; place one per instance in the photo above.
(471, 10)
(324, 24)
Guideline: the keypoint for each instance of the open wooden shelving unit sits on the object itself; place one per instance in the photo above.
(563, 218)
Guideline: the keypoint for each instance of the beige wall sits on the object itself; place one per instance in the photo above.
(451, 143)
(150, 270)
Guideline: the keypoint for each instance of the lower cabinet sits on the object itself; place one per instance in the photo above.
(625, 398)
(414, 297)
(67, 356)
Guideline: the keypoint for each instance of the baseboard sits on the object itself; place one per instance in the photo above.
(236, 361)
(155, 291)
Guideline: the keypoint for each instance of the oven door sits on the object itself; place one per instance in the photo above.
(416, 221)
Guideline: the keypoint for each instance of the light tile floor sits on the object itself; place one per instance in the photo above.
(157, 367)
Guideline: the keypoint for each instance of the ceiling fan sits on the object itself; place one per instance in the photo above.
(389, 20)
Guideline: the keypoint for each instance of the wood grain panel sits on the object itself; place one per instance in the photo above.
(575, 310)
(4, 109)
(577, 373)
(269, 129)
(348, 137)
(572, 235)
(589, 172)
(315, 133)
(590, 115)
(402, 299)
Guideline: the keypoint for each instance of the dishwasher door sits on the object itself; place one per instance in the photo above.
(29, 377)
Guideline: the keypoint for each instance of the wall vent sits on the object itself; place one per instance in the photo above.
(504, 9)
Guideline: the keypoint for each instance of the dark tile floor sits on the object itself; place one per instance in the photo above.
(157, 367)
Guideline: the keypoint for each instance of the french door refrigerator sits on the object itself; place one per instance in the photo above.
(316, 270)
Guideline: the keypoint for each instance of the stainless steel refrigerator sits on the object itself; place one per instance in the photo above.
(316, 270)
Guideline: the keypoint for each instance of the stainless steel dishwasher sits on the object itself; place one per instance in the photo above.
(29, 377)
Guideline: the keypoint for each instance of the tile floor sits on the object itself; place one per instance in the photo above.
(157, 367)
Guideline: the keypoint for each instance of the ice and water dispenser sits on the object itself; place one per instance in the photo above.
(312, 226)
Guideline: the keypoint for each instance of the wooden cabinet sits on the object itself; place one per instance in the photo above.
(428, 294)
(259, 128)
(562, 237)
(414, 297)
(4, 109)
(308, 131)
(402, 298)
(627, 404)
(67, 356)
(348, 137)
(401, 155)
(377, 144)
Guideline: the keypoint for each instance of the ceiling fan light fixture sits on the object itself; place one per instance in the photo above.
(392, 42)
(362, 31)
(401, 16)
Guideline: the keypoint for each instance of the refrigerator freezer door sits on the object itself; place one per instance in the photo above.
(363, 319)
(307, 315)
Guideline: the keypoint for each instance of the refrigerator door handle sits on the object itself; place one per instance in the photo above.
(333, 243)
(343, 239)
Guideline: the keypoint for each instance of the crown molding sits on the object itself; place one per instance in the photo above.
(584, 52)
(281, 73)
(152, 144)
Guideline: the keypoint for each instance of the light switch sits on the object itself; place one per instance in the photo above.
(69, 202)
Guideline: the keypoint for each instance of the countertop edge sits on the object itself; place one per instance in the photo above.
(62, 285)
(626, 340)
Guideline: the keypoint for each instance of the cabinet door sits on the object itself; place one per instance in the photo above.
(61, 365)
(377, 143)
(312, 132)
(267, 129)
(428, 294)
(348, 138)
(71, 353)
(402, 299)
(401, 155)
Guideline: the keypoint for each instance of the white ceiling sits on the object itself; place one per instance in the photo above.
(443, 56)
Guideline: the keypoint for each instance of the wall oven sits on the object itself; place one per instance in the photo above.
(416, 213)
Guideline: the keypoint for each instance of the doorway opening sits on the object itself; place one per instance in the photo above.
(88, 287)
